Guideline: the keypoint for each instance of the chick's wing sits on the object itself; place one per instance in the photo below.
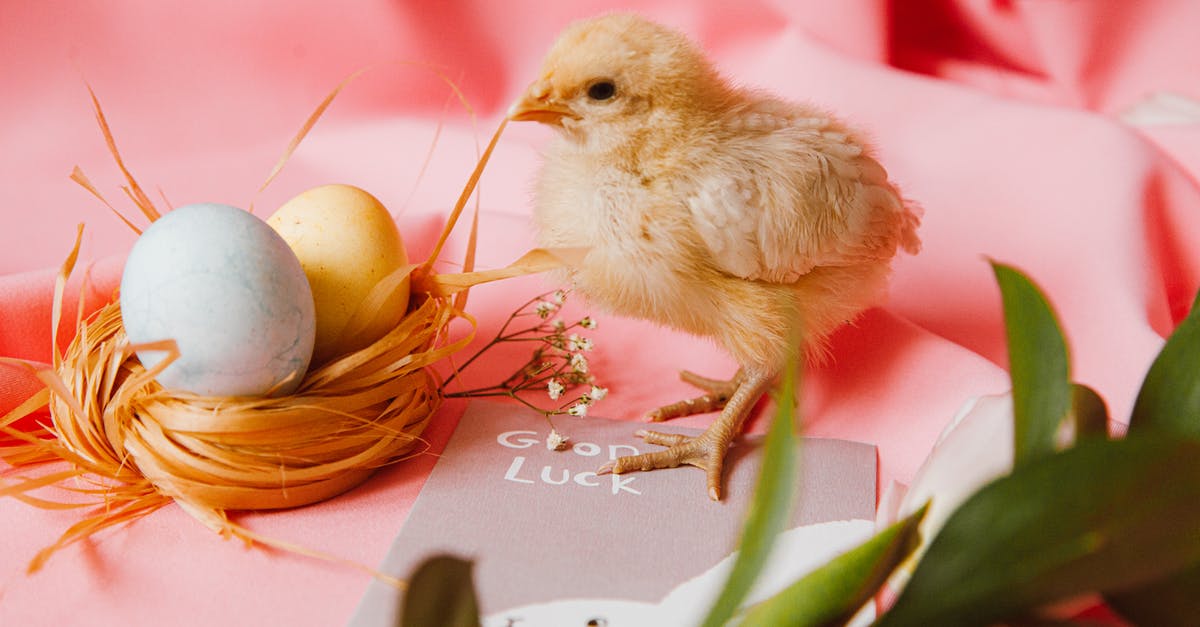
(776, 196)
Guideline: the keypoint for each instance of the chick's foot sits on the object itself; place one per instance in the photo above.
(718, 393)
(706, 451)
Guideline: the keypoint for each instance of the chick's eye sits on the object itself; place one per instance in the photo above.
(602, 90)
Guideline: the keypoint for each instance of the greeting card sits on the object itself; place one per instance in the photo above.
(554, 543)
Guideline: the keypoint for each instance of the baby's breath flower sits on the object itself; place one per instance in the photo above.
(545, 308)
(555, 389)
(579, 343)
(556, 441)
(557, 362)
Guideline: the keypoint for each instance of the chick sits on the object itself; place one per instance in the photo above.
(707, 207)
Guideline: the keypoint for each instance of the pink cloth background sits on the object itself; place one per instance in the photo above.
(1003, 118)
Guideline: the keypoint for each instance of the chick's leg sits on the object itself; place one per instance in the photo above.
(706, 451)
(717, 395)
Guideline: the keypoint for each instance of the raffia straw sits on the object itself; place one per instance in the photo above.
(140, 447)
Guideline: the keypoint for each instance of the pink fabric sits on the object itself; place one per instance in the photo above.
(1002, 118)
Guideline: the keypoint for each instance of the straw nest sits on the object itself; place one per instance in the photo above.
(350, 417)
(137, 446)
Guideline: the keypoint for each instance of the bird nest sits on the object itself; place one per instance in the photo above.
(348, 418)
(139, 446)
(133, 446)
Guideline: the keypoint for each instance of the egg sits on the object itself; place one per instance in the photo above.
(232, 295)
(347, 243)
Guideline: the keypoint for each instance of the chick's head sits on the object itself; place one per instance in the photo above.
(618, 74)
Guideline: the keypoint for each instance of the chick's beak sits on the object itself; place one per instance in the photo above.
(537, 105)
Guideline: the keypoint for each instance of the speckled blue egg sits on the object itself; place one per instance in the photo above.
(230, 292)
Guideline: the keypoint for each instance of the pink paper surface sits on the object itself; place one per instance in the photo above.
(1002, 118)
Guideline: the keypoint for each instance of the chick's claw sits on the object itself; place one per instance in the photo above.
(713, 386)
(662, 439)
(718, 394)
(699, 405)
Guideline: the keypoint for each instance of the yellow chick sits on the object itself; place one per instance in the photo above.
(707, 207)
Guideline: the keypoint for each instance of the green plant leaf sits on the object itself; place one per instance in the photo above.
(1169, 402)
(1089, 414)
(771, 505)
(1104, 515)
(835, 592)
(1174, 602)
(440, 593)
(1038, 365)
(1170, 396)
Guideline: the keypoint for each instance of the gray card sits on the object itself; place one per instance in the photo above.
(553, 543)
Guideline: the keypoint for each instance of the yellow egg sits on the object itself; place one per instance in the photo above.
(347, 244)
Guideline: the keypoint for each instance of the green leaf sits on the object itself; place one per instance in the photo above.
(1104, 515)
(1038, 365)
(440, 594)
(1169, 402)
(1174, 602)
(835, 592)
(1089, 414)
(771, 505)
(1170, 396)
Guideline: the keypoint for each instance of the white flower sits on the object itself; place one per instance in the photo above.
(560, 325)
(578, 409)
(555, 389)
(588, 322)
(598, 392)
(560, 297)
(579, 343)
(556, 441)
(545, 308)
(579, 363)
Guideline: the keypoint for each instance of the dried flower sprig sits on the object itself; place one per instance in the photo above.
(556, 366)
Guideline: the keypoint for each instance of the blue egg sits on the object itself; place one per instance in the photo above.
(230, 292)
